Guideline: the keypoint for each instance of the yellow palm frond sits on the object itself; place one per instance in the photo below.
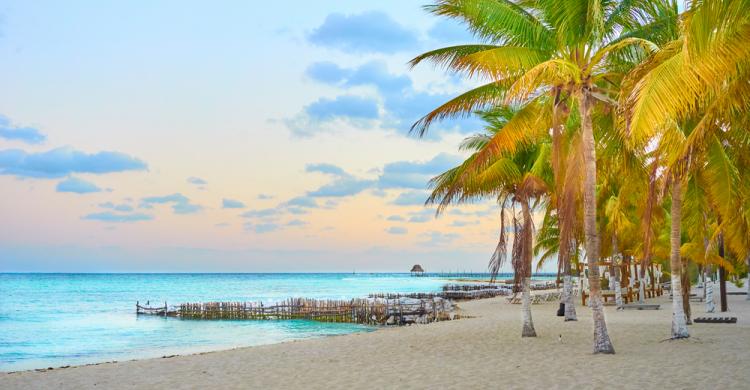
(500, 62)
(658, 96)
(546, 74)
(528, 125)
(449, 57)
(647, 46)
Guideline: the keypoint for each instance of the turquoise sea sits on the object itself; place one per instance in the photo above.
(53, 320)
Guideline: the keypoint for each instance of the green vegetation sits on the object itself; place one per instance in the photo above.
(626, 122)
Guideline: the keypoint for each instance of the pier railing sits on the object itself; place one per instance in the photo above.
(360, 311)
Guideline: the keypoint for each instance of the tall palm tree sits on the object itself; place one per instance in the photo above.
(518, 179)
(688, 96)
(540, 54)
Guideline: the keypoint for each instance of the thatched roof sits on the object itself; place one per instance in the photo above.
(417, 268)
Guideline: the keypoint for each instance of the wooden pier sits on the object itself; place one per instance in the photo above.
(397, 311)
(377, 309)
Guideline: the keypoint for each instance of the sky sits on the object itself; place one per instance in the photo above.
(179, 136)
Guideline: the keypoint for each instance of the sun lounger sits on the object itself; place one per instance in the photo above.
(716, 320)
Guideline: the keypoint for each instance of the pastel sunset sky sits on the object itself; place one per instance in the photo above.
(228, 136)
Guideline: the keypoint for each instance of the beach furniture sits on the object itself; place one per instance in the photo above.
(514, 299)
(716, 320)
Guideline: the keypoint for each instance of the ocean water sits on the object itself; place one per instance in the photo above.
(52, 320)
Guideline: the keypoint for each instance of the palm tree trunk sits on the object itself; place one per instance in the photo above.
(686, 292)
(570, 305)
(602, 343)
(722, 275)
(708, 286)
(748, 279)
(642, 284)
(679, 324)
(528, 324)
(616, 273)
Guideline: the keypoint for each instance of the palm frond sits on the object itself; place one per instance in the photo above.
(499, 21)
(463, 105)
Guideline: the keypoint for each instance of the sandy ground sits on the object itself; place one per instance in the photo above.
(482, 352)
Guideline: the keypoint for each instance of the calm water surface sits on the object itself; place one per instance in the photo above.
(51, 320)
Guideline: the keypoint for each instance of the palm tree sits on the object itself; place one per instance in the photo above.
(520, 179)
(539, 54)
(689, 96)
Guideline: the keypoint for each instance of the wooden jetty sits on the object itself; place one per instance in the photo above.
(398, 311)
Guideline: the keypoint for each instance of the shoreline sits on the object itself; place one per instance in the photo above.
(457, 353)
(183, 354)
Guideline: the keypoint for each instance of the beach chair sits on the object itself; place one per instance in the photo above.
(716, 320)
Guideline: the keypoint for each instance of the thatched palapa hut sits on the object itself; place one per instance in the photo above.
(417, 270)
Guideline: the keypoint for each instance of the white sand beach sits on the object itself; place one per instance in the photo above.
(481, 352)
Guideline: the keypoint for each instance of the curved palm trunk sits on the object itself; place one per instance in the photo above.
(679, 322)
(602, 343)
(528, 324)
